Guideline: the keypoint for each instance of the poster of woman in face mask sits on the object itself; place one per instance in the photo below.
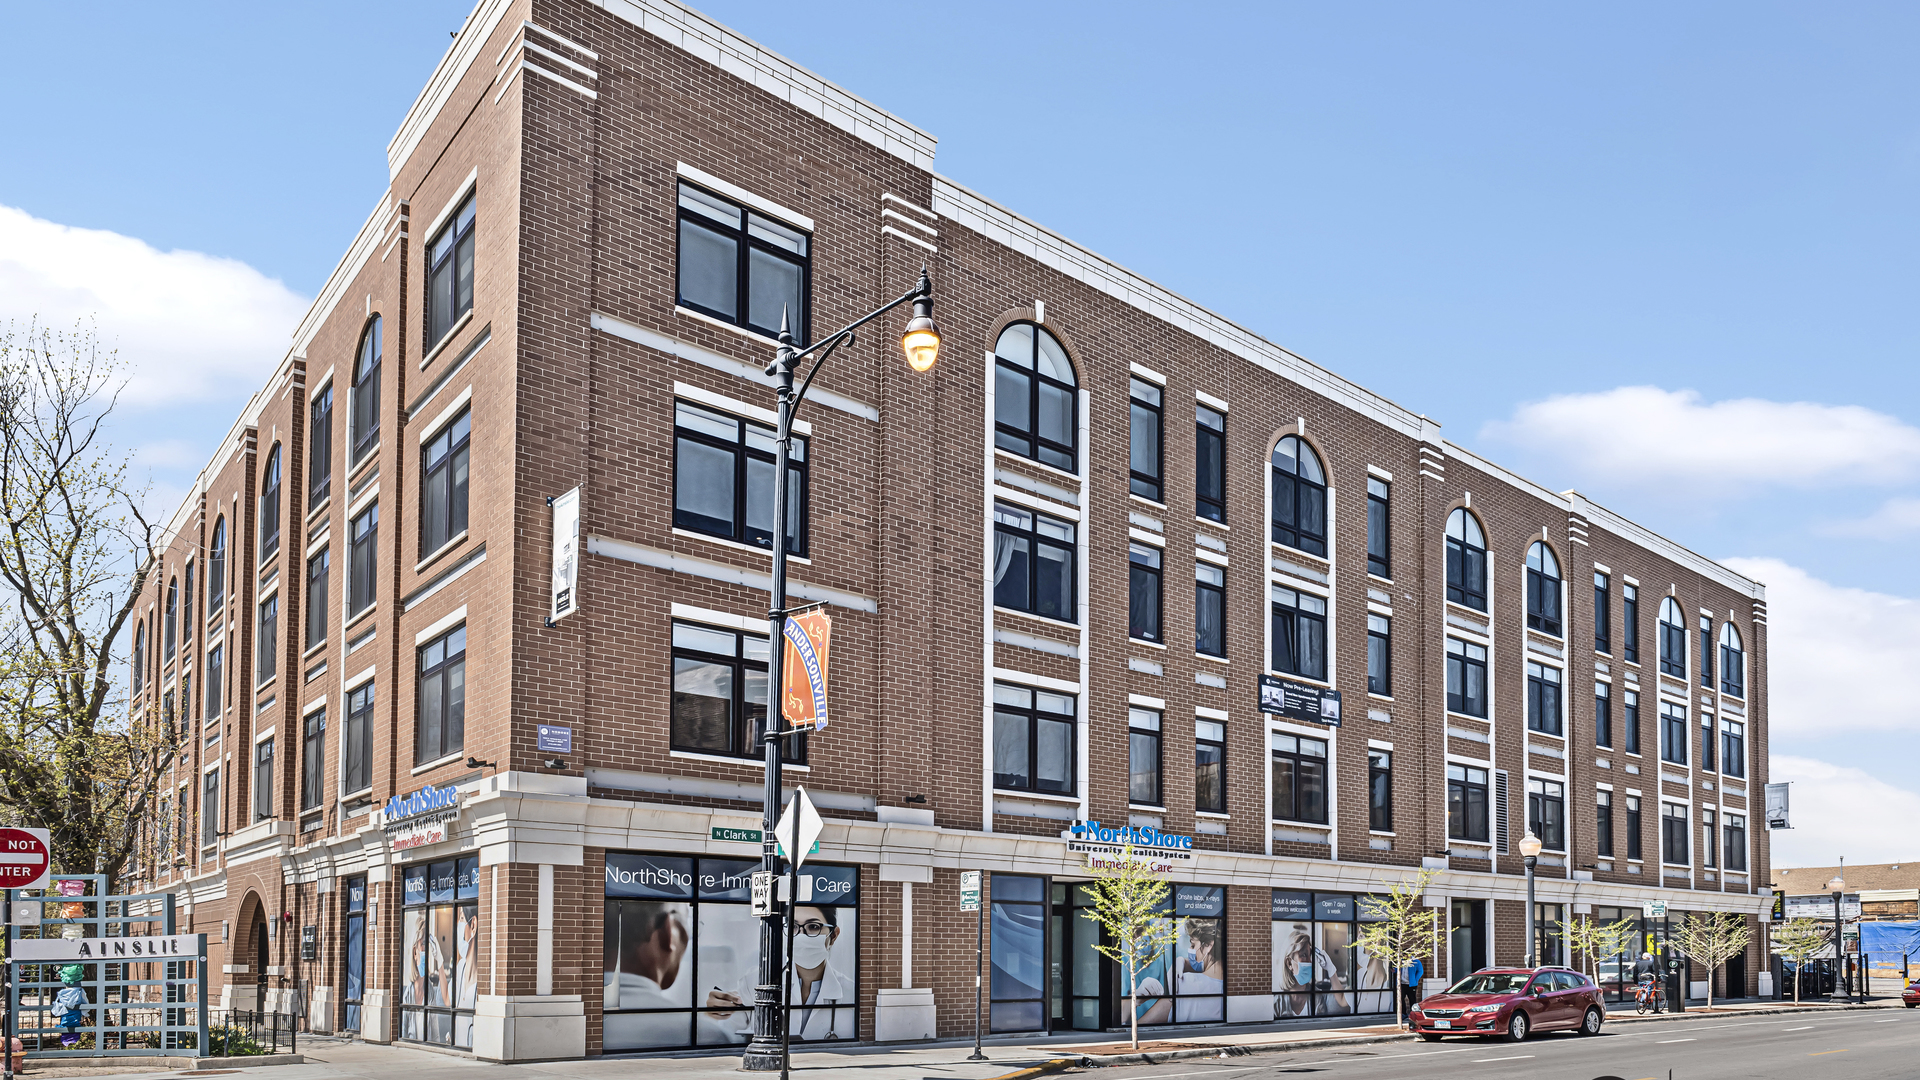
(1201, 984)
(820, 995)
(1293, 969)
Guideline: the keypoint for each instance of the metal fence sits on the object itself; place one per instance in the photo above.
(251, 1031)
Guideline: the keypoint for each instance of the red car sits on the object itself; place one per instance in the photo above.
(1512, 1003)
(1911, 995)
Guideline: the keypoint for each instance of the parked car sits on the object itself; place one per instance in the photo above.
(1911, 995)
(1512, 1003)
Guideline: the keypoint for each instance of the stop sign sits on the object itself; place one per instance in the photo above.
(24, 858)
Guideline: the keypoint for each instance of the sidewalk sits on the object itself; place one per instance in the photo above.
(342, 1059)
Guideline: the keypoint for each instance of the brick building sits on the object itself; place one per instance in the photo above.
(440, 815)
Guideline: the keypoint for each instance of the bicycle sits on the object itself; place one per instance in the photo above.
(1646, 996)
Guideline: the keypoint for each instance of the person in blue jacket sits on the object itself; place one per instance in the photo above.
(1410, 993)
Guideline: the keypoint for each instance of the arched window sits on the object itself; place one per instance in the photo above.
(1299, 497)
(186, 624)
(173, 619)
(1466, 561)
(1035, 413)
(366, 393)
(270, 505)
(217, 567)
(1673, 639)
(140, 656)
(1543, 589)
(1733, 661)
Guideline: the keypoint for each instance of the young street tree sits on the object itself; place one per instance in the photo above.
(1712, 938)
(1403, 929)
(74, 552)
(1800, 940)
(1598, 941)
(1130, 904)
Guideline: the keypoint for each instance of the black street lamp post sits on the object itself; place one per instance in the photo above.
(1530, 855)
(1838, 886)
(921, 342)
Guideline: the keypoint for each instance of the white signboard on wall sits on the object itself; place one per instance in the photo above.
(566, 556)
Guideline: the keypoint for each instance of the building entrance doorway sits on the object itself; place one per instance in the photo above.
(1082, 982)
(1467, 940)
(1736, 971)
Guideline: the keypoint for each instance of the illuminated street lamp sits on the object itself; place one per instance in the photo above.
(1530, 855)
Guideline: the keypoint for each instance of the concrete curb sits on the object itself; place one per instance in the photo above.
(248, 1062)
(1042, 1069)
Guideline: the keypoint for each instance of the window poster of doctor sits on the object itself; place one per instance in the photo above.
(682, 952)
(1188, 982)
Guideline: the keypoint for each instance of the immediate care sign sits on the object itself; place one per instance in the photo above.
(170, 947)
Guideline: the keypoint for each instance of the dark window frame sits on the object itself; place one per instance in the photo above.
(316, 597)
(1379, 528)
(1733, 747)
(1146, 401)
(1674, 842)
(356, 740)
(217, 568)
(1630, 722)
(313, 759)
(1546, 711)
(1602, 613)
(1547, 812)
(320, 446)
(1146, 606)
(1209, 608)
(270, 506)
(1466, 560)
(1634, 825)
(1034, 716)
(364, 413)
(1210, 464)
(1469, 802)
(363, 559)
(1709, 740)
(746, 453)
(1379, 790)
(1733, 662)
(1299, 512)
(1674, 734)
(1004, 524)
(263, 779)
(1543, 590)
(1028, 442)
(214, 685)
(1630, 622)
(1603, 823)
(746, 244)
(445, 482)
(209, 811)
(1709, 839)
(1673, 640)
(746, 719)
(1706, 652)
(458, 263)
(1308, 772)
(266, 641)
(186, 624)
(1380, 649)
(1299, 633)
(1734, 843)
(1464, 662)
(170, 647)
(442, 660)
(1602, 714)
(1209, 760)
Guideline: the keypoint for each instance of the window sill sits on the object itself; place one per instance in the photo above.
(1155, 807)
(268, 556)
(1602, 652)
(1474, 612)
(1143, 642)
(1043, 619)
(1451, 715)
(354, 471)
(1379, 697)
(750, 334)
(446, 339)
(1003, 452)
(1275, 545)
(1210, 656)
(1464, 842)
(1144, 501)
(1214, 814)
(755, 549)
(357, 616)
(752, 763)
(441, 550)
(436, 763)
(314, 648)
(1547, 735)
(1371, 576)
(1221, 525)
(1307, 824)
(1300, 678)
(1042, 796)
(265, 683)
(319, 508)
(1378, 832)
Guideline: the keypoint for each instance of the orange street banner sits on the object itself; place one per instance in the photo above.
(803, 675)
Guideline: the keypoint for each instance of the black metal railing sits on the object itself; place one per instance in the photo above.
(243, 1032)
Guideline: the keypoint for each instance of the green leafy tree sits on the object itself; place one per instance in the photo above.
(1800, 940)
(1402, 929)
(74, 553)
(1130, 904)
(1598, 941)
(1712, 938)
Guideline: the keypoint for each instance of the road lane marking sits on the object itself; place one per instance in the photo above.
(1484, 1061)
(1809, 1027)
(1817, 1053)
(1664, 1042)
(1895, 1020)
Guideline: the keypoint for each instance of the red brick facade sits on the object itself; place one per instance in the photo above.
(571, 124)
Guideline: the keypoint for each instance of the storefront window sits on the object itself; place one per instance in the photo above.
(1319, 968)
(356, 958)
(1019, 975)
(682, 952)
(440, 932)
(1615, 973)
(1189, 986)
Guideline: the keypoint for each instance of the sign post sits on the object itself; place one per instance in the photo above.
(798, 833)
(25, 855)
(970, 901)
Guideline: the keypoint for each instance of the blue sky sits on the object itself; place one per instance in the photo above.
(1505, 216)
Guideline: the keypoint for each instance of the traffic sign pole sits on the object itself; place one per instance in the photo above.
(971, 895)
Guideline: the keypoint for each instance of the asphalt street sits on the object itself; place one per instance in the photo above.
(1856, 1046)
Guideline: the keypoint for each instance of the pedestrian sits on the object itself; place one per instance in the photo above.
(1410, 992)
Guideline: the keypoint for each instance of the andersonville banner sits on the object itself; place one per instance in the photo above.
(803, 676)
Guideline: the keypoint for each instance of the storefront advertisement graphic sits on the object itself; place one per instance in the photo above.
(1319, 967)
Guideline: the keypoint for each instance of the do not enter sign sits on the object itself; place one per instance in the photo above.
(24, 858)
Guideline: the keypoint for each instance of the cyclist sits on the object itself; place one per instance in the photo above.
(1646, 977)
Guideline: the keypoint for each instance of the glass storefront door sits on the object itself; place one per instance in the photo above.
(356, 958)
(1083, 987)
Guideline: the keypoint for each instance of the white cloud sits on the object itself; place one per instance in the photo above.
(1645, 434)
(1896, 518)
(1842, 811)
(1839, 658)
(188, 325)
